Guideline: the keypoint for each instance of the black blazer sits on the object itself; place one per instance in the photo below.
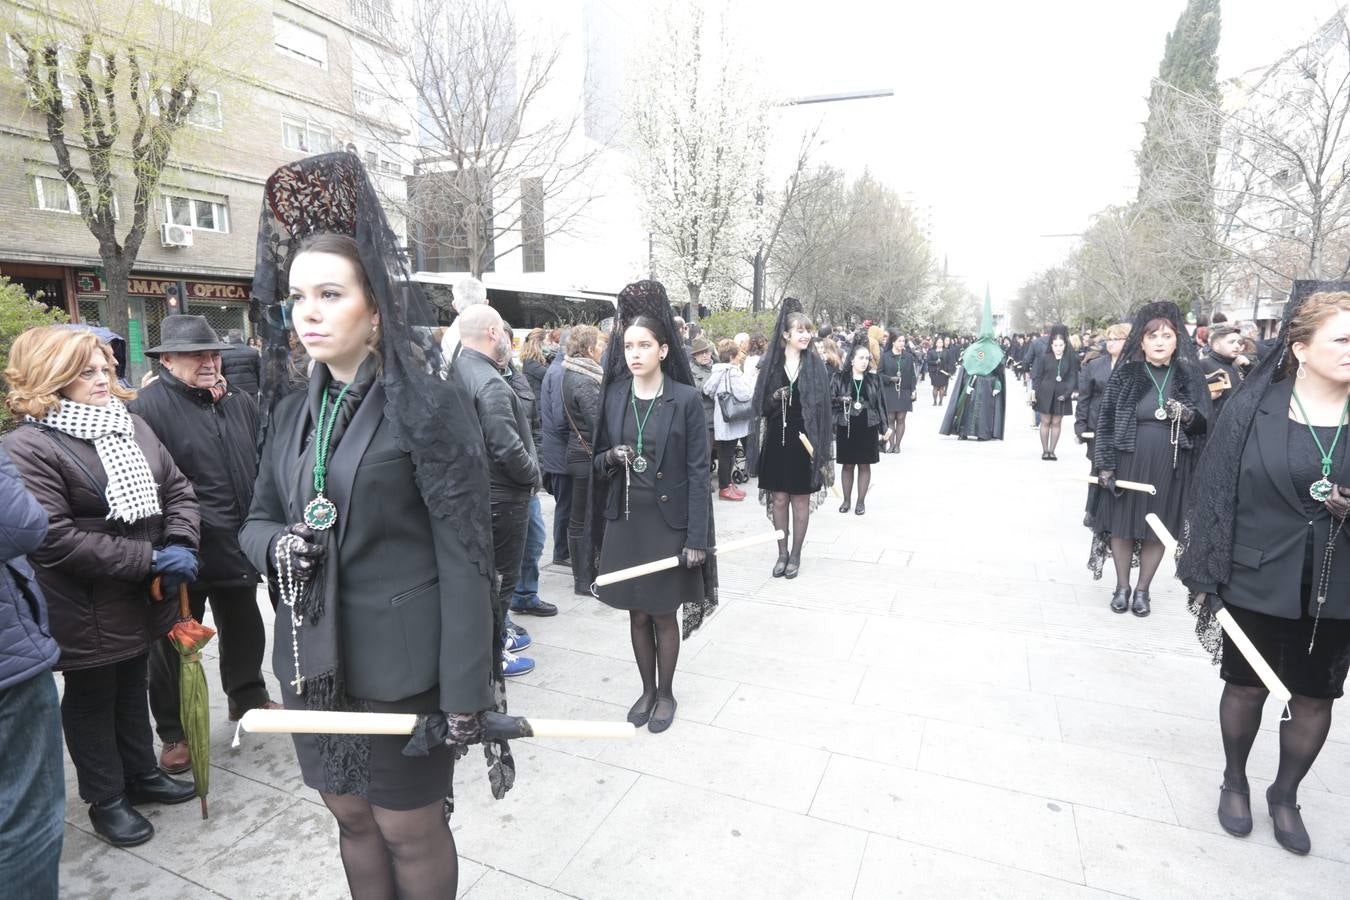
(1270, 525)
(1043, 381)
(678, 435)
(414, 611)
(1092, 379)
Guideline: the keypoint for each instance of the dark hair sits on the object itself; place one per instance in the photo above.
(793, 320)
(824, 331)
(338, 245)
(654, 325)
(1217, 318)
(1157, 325)
(758, 345)
(695, 330)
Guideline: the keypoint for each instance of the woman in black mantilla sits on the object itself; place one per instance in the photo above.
(651, 465)
(939, 374)
(899, 375)
(859, 418)
(1152, 418)
(1054, 384)
(1265, 538)
(793, 397)
(369, 516)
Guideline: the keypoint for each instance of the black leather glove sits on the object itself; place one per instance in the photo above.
(615, 457)
(692, 558)
(305, 554)
(1338, 504)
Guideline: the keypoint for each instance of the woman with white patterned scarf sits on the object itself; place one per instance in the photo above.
(120, 513)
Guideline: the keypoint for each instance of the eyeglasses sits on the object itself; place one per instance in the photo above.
(92, 374)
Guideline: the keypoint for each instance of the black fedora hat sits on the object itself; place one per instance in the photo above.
(186, 334)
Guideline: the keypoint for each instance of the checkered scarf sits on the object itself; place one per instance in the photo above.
(132, 493)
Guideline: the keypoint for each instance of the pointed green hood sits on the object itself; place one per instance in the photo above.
(985, 355)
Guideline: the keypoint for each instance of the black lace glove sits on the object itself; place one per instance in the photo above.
(1338, 504)
(1107, 479)
(781, 394)
(305, 553)
(462, 729)
(615, 457)
(692, 558)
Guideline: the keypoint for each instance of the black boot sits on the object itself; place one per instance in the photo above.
(118, 823)
(159, 788)
(1141, 606)
(1120, 600)
(580, 577)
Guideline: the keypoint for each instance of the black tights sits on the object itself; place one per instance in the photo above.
(864, 481)
(801, 517)
(1050, 432)
(1150, 556)
(898, 427)
(1301, 739)
(394, 853)
(656, 647)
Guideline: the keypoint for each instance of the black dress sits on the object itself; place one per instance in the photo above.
(1122, 513)
(1054, 381)
(856, 442)
(936, 376)
(898, 396)
(1284, 643)
(643, 537)
(784, 464)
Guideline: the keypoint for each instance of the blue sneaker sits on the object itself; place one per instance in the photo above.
(532, 606)
(513, 665)
(517, 638)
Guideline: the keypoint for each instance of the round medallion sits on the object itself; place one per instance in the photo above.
(857, 407)
(1320, 490)
(320, 514)
(1160, 414)
(639, 464)
(1058, 378)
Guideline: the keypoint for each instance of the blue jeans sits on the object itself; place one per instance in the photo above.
(33, 789)
(527, 587)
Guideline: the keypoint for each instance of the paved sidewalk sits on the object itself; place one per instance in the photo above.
(937, 707)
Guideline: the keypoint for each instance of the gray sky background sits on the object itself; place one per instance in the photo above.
(1012, 120)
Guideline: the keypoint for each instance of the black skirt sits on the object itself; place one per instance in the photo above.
(856, 444)
(1284, 645)
(784, 464)
(1122, 513)
(897, 401)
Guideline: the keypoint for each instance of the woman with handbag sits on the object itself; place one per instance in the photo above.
(732, 393)
(581, 406)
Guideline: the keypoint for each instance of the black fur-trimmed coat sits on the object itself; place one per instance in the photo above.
(1116, 422)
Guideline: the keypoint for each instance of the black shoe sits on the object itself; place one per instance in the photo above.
(1052, 457)
(534, 607)
(1296, 839)
(641, 712)
(1120, 600)
(563, 561)
(159, 788)
(781, 566)
(119, 824)
(860, 509)
(659, 724)
(580, 583)
(845, 506)
(793, 566)
(1045, 454)
(1141, 607)
(1240, 824)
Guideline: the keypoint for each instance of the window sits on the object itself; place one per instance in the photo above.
(193, 9)
(390, 167)
(532, 224)
(306, 137)
(206, 111)
(441, 202)
(373, 14)
(372, 160)
(54, 194)
(204, 215)
(296, 40)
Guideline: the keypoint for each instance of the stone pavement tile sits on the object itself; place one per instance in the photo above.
(879, 734)
(819, 589)
(498, 885)
(771, 772)
(674, 841)
(997, 825)
(989, 706)
(585, 630)
(93, 870)
(266, 758)
(1195, 796)
(1079, 775)
(867, 554)
(963, 653)
(1139, 858)
(538, 827)
(616, 681)
(939, 562)
(1161, 682)
(293, 855)
(893, 557)
(1333, 767)
(541, 703)
(964, 607)
(894, 868)
(731, 662)
(787, 631)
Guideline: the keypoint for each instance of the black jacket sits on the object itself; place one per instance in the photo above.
(871, 399)
(242, 368)
(890, 367)
(1043, 373)
(414, 612)
(1270, 524)
(581, 408)
(1092, 379)
(512, 466)
(27, 648)
(1116, 423)
(678, 437)
(212, 443)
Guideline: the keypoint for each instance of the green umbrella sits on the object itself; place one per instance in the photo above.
(190, 636)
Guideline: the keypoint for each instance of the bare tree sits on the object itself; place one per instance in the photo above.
(1050, 296)
(1122, 262)
(497, 166)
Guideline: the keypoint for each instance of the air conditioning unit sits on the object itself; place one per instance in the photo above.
(175, 235)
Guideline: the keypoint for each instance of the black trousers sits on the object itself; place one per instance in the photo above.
(726, 461)
(107, 725)
(560, 486)
(510, 521)
(240, 643)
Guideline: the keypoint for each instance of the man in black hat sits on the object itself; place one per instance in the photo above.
(209, 427)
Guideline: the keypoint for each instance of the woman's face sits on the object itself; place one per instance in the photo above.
(898, 345)
(1328, 353)
(862, 358)
(642, 351)
(1115, 345)
(331, 314)
(798, 336)
(1057, 346)
(93, 384)
(1160, 345)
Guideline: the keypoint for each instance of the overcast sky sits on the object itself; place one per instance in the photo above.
(1012, 120)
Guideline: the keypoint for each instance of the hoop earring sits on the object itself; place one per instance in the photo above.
(1302, 373)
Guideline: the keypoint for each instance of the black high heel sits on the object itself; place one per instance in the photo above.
(846, 506)
(860, 509)
(781, 566)
(1295, 840)
(793, 567)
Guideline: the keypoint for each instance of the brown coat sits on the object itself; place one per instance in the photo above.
(95, 572)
